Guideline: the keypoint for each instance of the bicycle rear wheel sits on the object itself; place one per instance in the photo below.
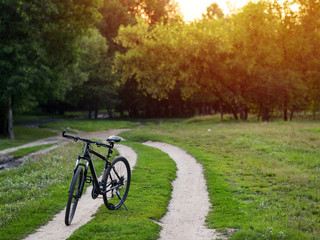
(116, 182)
(74, 195)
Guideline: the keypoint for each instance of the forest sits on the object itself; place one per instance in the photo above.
(139, 58)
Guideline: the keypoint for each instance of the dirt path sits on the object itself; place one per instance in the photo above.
(56, 229)
(50, 140)
(189, 205)
(187, 210)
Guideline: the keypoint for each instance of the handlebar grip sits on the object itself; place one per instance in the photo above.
(67, 136)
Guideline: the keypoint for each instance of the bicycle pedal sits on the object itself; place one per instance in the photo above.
(89, 179)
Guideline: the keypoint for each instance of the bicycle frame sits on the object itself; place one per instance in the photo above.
(86, 156)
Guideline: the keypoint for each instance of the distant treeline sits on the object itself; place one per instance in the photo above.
(60, 53)
(139, 57)
(263, 59)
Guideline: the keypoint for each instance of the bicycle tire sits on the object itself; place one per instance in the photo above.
(117, 176)
(74, 195)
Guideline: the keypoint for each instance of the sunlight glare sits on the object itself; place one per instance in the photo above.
(193, 9)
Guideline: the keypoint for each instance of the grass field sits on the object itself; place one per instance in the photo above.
(262, 178)
(89, 125)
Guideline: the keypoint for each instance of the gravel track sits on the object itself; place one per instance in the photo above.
(189, 205)
(187, 209)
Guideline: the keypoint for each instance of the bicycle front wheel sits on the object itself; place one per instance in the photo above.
(74, 195)
(116, 183)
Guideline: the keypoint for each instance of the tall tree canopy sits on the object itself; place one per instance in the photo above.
(97, 90)
(37, 50)
(260, 59)
(263, 59)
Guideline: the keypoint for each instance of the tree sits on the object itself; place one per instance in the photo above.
(309, 55)
(146, 59)
(153, 10)
(21, 57)
(260, 59)
(122, 12)
(37, 49)
(114, 14)
(213, 11)
(98, 89)
(171, 55)
(257, 57)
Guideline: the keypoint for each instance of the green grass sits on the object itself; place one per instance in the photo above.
(34, 117)
(148, 198)
(73, 114)
(31, 194)
(24, 135)
(89, 125)
(26, 151)
(263, 178)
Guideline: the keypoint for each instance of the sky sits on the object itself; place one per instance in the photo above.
(192, 9)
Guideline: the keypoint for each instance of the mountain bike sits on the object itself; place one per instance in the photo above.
(114, 185)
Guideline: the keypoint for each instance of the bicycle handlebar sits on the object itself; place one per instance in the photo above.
(99, 144)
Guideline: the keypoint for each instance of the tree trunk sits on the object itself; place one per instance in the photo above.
(235, 115)
(242, 115)
(96, 108)
(243, 112)
(10, 119)
(89, 113)
(265, 115)
(291, 114)
(209, 109)
(109, 110)
(285, 113)
(121, 111)
(3, 126)
(314, 114)
(246, 113)
(4, 120)
(203, 109)
(221, 111)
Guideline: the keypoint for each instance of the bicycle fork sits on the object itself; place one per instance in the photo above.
(83, 178)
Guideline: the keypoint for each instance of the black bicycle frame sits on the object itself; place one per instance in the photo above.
(87, 157)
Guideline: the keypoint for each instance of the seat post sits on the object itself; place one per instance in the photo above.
(110, 150)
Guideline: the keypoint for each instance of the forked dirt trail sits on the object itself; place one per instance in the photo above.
(185, 219)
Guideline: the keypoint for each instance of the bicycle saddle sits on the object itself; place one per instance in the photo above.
(114, 139)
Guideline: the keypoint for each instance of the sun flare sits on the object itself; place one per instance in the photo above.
(193, 9)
